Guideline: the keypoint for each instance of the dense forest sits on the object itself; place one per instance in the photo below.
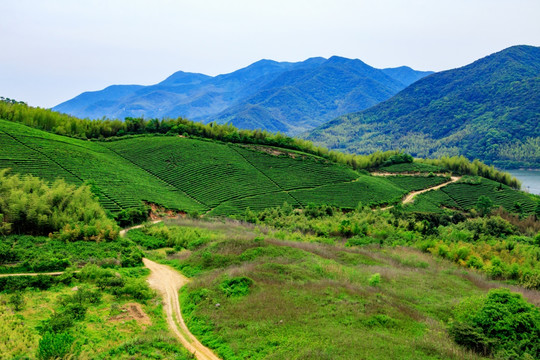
(487, 110)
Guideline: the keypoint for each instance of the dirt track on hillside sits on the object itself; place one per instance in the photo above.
(410, 196)
(123, 232)
(167, 282)
(56, 273)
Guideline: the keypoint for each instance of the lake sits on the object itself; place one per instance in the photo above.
(530, 180)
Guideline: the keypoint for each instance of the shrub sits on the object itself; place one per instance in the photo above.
(17, 283)
(32, 206)
(17, 301)
(59, 322)
(238, 286)
(132, 216)
(55, 345)
(375, 279)
(136, 288)
(502, 323)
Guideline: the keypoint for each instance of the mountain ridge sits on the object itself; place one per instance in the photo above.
(256, 96)
(487, 110)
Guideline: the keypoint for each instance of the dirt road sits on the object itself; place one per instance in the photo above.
(168, 281)
(410, 196)
(124, 231)
(56, 273)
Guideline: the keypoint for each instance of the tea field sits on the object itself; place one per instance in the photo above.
(208, 176)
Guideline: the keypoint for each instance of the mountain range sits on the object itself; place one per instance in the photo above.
(276, 96)
(489, 110)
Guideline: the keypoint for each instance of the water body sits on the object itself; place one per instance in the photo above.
(530, 180)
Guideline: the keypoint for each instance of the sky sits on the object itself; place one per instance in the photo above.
(52, 50)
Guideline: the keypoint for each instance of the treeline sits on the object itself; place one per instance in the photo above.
(29, 205)
(462, 165)
(101, 129)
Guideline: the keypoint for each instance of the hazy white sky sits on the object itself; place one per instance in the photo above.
(52, 50)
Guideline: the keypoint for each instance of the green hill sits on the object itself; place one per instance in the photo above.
(486, 110)
(190, 174)
(211, 169)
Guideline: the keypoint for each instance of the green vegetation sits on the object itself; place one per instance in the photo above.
(99, 129)
(411, 183)
(503, 246)
(254, 295)
(309, 268)
(466, 194)
(22, 253)
(487, 110)
(117, 183)
(29, 205)
(62, 124)
(501, 323)
(196, 175)
(96, 313)
(415, 167)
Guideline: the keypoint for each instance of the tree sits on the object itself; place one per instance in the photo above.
(502, 323)
(17, 300)
(484, 205)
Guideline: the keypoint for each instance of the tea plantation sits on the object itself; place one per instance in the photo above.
(464, 195)
(220, 178)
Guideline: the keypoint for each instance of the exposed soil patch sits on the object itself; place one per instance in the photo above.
(132, 311)
(160, 212)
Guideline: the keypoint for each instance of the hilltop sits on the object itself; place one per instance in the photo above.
(486, 110)
(276, 96)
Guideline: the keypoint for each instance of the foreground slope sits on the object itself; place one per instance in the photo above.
(486, 110)
(276, 96)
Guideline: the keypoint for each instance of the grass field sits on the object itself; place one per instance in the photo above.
(115, 327)
(256, 297)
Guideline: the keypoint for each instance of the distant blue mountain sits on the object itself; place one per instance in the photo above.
(276, 96)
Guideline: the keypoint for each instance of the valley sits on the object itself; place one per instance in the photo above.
(173, 239)
(270, 180)
(263, 247)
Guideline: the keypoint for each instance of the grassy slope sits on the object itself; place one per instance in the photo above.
(314, 301)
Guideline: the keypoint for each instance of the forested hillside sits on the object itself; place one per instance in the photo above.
(487, 110)
(301, 99)
(269, 95)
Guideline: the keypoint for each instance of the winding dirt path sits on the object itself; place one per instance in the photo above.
(410, 196)
(123, 232)
(167, 281)
(56, 273)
